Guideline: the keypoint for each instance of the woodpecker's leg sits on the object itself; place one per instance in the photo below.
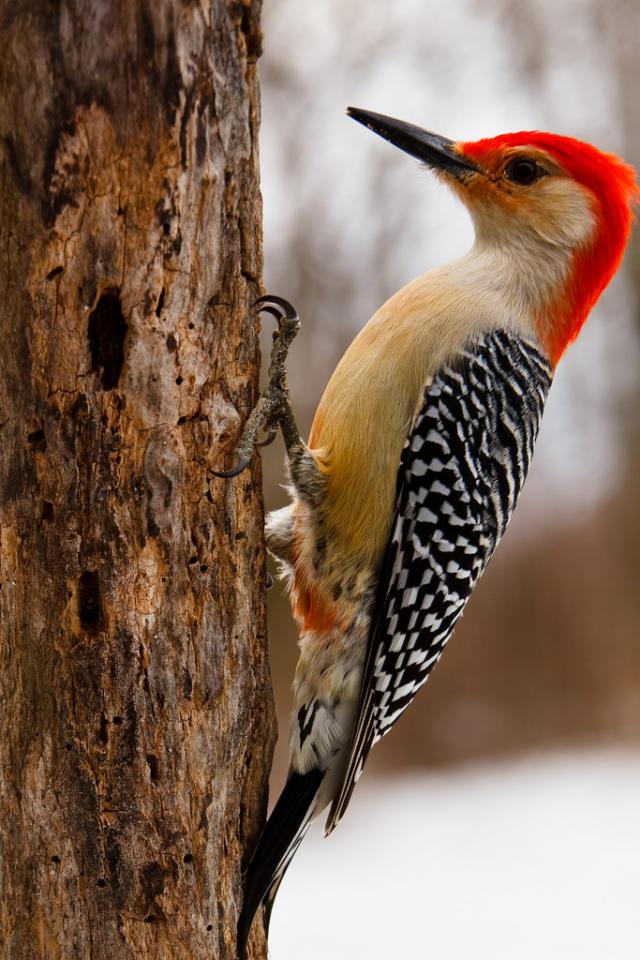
(305, 475)
(273, 407)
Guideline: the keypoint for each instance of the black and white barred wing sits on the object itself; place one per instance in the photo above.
(461, 471)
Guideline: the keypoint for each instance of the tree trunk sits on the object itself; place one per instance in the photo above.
(136, 716)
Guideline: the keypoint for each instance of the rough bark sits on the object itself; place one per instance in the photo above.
(136, 719)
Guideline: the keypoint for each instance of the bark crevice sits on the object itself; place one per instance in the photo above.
(137, 725)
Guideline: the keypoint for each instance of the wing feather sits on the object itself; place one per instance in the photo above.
(461, 471)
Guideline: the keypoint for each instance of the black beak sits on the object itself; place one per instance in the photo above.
(438, 152)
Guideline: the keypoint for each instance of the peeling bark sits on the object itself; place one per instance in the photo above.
(136, 714)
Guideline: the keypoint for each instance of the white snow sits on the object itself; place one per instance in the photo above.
(520, 860)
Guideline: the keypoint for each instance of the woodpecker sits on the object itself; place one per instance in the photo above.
(419, 449)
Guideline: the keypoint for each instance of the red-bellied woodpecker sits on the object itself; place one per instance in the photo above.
(419, 449)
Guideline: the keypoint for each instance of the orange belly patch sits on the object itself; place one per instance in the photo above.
(311, 610)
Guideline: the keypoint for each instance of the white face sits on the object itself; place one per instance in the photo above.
(559, 215)
(551, 210)
(527, 234)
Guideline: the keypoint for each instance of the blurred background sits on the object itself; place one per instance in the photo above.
(510, 787)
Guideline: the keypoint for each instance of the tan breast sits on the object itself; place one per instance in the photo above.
(370, 402)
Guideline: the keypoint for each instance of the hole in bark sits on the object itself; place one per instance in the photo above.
(149, 919)
(117, 721)
(172, 343)
(102, 883)
(209, 926)
(152, 879)
(188, 858)
(192, 560)
(55, 859)
(178, 380)
(103, 730)
(46, 511)
(160, 303)
(107, 331)
(68, 746)
(203, 568)
(55, 273)
(89, 606)
(37, 440)
(152, 763)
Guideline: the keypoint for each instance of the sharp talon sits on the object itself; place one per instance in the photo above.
(270, 581)
(273, 404)
(271, 304)
(270, 437)
(274, 313)
(234, 472)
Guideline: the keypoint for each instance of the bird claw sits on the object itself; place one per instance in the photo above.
(240, 466)
(268, 440)
(272, 407)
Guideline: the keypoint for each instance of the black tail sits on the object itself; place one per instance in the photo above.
(281, 837)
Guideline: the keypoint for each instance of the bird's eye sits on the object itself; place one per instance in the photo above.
(523, 171)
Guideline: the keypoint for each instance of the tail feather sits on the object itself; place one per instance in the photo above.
(281, 837)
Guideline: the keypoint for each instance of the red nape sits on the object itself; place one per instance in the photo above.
(612, 184)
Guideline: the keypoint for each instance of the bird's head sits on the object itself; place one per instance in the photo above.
(560, 207)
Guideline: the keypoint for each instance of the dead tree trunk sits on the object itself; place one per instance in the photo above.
(136, 722)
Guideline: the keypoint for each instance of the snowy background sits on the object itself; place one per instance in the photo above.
(500, 818)
(510, 861)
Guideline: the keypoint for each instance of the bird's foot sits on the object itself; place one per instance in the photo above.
(273, 408)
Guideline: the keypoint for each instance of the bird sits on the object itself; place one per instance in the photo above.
(419, 449)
